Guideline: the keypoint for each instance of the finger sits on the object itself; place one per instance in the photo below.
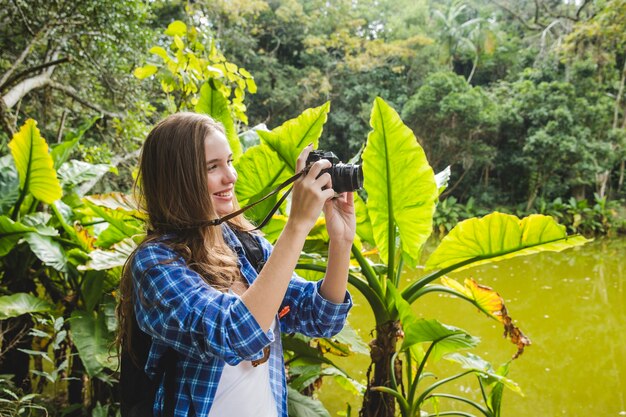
(323, 181)
(350, 199)
(328, 194)
(317, 167)
(341, 198)
(301, 161)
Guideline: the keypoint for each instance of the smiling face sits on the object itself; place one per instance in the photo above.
(221, 175)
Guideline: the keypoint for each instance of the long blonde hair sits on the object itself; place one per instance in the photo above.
(172, 189)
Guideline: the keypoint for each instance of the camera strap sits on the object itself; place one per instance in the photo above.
(269, 215)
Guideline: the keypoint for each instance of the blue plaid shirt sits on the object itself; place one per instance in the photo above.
(209, 328)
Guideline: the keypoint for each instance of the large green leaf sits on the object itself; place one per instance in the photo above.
(303, 406)
(213, 103)
(484, 368)
(34, 163)
(47, 250)
(21, 303)
(292, 136)
(93, 340)
(260, 171)
(500, 236)
(363, 222)
(349, 337)
(73, 173)
(116, 201)
(10, 233)
(400, 185)
(119, 219)
(265, 166)
(446, 338)
(9, 184)
(106, 259)
(91, 288)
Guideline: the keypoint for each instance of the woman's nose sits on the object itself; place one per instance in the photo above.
(231, 176)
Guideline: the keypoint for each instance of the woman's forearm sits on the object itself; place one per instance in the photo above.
(266, 294)
(335, 282)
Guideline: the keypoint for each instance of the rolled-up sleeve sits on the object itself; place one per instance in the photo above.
(309, 312)
(174, 305)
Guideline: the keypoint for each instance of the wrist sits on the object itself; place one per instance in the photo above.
(341, 245)
(296, 228)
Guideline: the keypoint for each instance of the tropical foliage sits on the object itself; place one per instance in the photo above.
(520, 107)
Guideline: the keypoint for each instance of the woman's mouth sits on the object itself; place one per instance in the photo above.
(224, 194)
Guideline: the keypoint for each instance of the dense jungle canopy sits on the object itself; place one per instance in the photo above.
(523, 99)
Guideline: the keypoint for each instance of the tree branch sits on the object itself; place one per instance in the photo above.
(33, 69)
(23, 55)
(69, 91)
(516, 16)
(42, 80)
(580, 9)
(24, 87)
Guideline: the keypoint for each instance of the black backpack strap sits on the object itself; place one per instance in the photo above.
(252, 248)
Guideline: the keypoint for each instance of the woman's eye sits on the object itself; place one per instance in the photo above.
(230, 162)
(211, 168)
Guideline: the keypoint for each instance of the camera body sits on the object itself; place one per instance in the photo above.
(345, 177)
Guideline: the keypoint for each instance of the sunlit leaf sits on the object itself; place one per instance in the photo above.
(291, 137)
(213, 103)
(21, 303)
(260, 171)
(117, 218)
(500, 236)
(400, 184)
(176, 28)
(159, 51)
(349, 337)
(34, 164)
(145, 71)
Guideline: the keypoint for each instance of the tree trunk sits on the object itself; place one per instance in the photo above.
(601, 181)
(382, 350)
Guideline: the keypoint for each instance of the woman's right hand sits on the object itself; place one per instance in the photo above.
(310, 192)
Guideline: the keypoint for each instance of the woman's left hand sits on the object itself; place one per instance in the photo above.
(341, 218)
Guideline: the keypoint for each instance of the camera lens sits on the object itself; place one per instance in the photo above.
(346, 177)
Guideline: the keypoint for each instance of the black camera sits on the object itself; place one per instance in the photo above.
(345, 177)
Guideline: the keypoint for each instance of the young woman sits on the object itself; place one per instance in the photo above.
(191, 288)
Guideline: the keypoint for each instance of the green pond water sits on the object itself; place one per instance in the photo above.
(572, 305)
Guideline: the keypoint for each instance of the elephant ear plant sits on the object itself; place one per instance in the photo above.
(396, 218)
(43, 248)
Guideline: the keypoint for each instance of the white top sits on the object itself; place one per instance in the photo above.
(245, 391)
